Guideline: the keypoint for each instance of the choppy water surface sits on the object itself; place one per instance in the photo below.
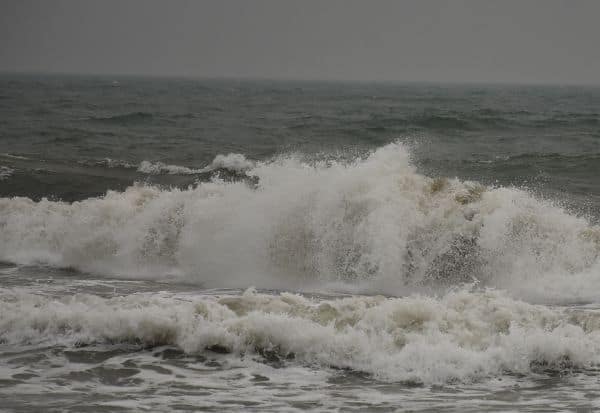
(180, 245)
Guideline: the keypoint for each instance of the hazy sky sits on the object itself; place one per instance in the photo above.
(512, 41)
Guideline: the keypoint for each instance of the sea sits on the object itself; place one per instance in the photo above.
(174, 244)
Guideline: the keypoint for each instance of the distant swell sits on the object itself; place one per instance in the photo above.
(556, 157)
(482, 119)
(5, 172)
(441, 122)
(133, 117)
(371, 224)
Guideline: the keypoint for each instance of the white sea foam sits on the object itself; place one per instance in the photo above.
(463, 336)
(157, 168)
(372, 224)
(234, 162)
(115, 163)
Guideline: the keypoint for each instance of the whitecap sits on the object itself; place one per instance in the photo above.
(370, 225)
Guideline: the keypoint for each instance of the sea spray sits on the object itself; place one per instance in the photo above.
(374, 224)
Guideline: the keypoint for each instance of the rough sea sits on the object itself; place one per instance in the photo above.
(224, 245)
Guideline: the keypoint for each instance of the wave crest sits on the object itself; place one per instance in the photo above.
(157, 168)
(232, 162)
(369, 224)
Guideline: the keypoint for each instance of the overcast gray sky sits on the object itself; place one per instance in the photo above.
(507, 41)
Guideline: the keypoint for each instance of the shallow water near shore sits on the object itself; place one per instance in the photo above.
(104, 345)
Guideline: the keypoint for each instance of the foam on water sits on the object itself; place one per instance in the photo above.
(156, 168)
(111, 163)
(469, 275)
(233, 162)
(371, 224)
(462, 336)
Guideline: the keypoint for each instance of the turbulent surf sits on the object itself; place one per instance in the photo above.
(371, 224)
(425, 257)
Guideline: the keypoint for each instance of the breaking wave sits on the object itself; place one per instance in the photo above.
(108, 163)
(233, 162)
(463, 336)
(371, 224)
(157, 168)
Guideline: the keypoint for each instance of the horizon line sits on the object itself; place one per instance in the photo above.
(250, 78)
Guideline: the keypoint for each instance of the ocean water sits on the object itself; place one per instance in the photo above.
(209, 245)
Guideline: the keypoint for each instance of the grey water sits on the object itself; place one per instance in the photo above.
(136, 215)
(68, 126)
